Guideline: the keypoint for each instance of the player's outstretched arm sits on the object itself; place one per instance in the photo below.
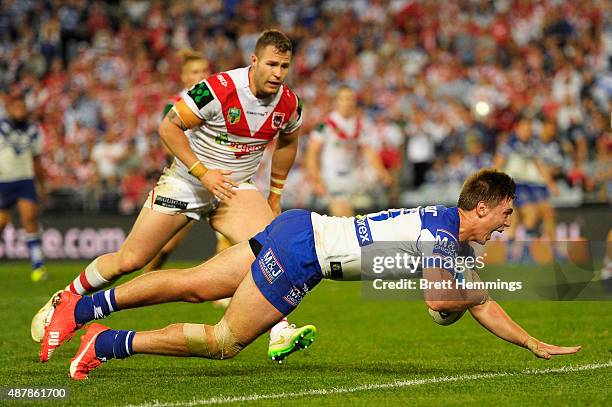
(493, 317)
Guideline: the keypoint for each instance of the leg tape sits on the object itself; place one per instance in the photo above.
(209, 342)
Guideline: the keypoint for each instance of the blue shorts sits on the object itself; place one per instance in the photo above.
(540, 193)
(11, 192)
(286, 266)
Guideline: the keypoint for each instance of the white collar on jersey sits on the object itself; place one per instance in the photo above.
(243, 78)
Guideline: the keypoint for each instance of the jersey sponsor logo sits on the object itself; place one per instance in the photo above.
(262, 114)
(270, 267)
(445, 243)
(170, 203)
(245, 149)
(362, 229)
(277, 119)
(242, 149)
(294, 296)
(222, 80)
(222, 139)
(233, 115)
(200, 94)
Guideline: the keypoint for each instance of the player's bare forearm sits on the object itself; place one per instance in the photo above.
(39, 171)
(313, 164)
(283, 158)
(547, 176)
(375, 162)
(442, 297)
(285, 153)
(493, 317)
(172, 133)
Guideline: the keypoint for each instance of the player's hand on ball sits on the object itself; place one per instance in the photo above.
(216, 181)
(546, 351)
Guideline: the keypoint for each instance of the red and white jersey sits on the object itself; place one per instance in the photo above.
(341, 138)
(237, 125)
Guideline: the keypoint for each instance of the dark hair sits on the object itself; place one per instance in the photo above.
(487, 185)
(273, 37)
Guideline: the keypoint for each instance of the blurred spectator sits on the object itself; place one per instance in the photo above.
(453, 72)
(420, 147)
(109, 153)
(389, 142)
(134, 189)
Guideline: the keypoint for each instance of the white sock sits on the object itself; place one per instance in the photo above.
(88, 281)
(274, 332)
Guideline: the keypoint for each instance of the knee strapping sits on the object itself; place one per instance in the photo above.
(216, 342)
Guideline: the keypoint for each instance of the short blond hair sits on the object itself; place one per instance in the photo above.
(187, 55)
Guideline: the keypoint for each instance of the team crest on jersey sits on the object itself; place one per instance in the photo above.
(277, 119)
(233, 115)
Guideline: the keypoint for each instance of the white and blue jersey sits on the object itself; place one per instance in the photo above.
(299, 248)
(551, 156)
(19, 144)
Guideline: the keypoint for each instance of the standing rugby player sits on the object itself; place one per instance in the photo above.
(217, 132)
(194, 68)
(334, 151)
(519, 158)
(21, 173)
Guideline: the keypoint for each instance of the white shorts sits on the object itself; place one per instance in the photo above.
(340, 184)
(177, 193)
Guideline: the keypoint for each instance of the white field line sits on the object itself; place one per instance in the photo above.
(370, 386)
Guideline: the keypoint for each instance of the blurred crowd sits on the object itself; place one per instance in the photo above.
(444, 82)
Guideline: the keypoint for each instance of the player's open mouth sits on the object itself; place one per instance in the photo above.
(274, 84)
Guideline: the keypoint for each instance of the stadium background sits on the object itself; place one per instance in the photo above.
(443, 81)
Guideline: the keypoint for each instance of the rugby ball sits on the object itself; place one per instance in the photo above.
(445, 318)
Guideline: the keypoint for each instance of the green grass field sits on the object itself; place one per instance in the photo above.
(367, 353)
